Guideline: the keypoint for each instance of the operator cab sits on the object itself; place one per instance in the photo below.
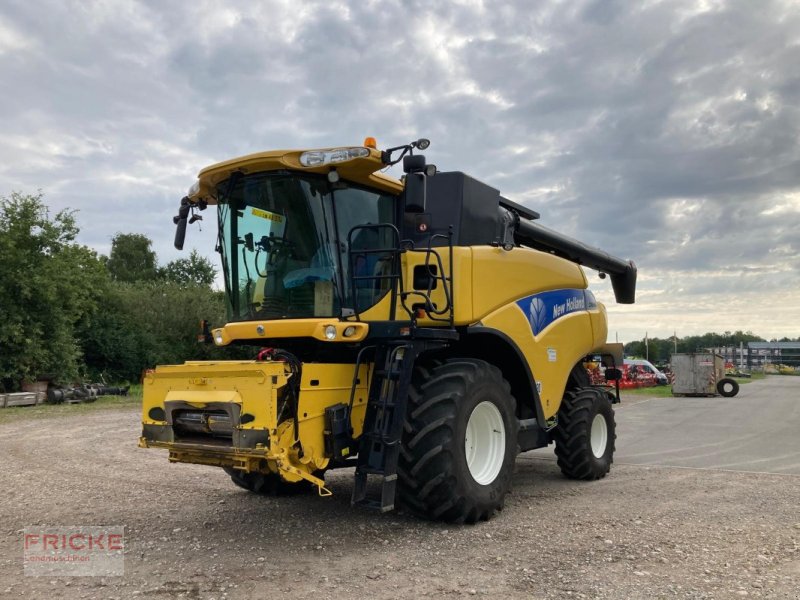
(284, 244)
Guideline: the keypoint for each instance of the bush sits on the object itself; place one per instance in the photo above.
(144, 324)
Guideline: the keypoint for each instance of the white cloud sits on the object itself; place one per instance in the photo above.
(12, 40)
(665, 132)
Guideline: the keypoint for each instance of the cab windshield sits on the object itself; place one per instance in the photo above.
(283, 239)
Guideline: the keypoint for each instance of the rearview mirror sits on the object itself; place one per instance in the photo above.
(180, 220)
(415, 192)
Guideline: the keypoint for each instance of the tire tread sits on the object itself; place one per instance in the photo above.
(427, 486)
(572, 435)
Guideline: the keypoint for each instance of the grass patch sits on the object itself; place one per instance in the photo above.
(659, 391)
(46, 411)
(755, 377)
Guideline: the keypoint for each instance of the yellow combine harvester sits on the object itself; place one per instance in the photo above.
(423, 331)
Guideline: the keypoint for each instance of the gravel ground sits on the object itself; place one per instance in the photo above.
(643, 532)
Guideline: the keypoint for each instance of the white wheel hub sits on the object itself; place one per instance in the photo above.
(599, 435)
(485, 443)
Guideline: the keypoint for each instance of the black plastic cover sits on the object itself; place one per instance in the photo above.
(337, 436)
(456, 199)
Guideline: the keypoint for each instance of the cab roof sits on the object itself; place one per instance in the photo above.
(363, 170)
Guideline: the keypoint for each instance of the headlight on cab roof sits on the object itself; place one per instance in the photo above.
(317, 158)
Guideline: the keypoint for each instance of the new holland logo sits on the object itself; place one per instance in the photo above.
(537, 315)
(544, 308)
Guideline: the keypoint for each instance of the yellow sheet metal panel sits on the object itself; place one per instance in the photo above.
(200, 397)
(324, 385)
(552, 353)
(284, 328)
(381, 310)
(500, 276)
(462, 283)
(600, 328)
(250, 383)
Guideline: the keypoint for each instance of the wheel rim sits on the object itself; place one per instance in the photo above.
(599, 435)
(485, 443)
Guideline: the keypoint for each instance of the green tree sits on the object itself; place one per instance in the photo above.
(47, 284)
(170, 314)
(196, 270)
(660, 350)
(115, 347)
(132, 258)
(145, 324)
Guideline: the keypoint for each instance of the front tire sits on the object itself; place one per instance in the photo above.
(585, 434)
(459, 442)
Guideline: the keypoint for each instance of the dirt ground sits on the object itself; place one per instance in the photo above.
(645, 531)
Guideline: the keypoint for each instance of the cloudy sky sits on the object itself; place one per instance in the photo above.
(665, 132)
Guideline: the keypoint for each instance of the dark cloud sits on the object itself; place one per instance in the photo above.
(663, 131)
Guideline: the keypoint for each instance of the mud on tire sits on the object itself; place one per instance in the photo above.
(585, 434)
(435, 480)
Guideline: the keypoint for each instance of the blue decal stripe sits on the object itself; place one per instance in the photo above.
(544, 308)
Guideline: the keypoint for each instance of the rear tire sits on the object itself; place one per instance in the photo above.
(269, 484)
(585, 434)
(459, 442)
(728, 387)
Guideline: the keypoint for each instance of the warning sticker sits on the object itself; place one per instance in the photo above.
(552, 355)
(265, 214)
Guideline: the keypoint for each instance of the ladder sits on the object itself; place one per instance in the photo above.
(381, 439)
(379, 445)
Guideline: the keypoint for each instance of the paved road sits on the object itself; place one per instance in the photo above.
(756, 431)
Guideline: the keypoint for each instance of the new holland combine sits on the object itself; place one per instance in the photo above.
(422, 330)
